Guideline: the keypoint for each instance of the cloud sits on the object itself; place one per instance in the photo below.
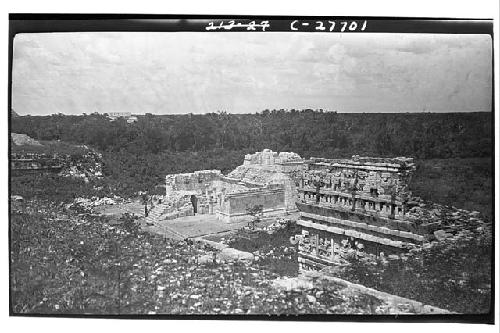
(244, 72)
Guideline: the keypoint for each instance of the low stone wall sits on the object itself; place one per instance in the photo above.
(392, 304)
(234, 206)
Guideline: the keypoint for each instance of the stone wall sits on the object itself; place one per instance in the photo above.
(233, 207)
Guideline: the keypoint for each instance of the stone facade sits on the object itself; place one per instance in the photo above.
(233, 207)
(359, 204)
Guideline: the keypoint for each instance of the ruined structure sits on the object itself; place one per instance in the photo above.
(22, 163)
(266, 179)
(86, 166)
(210, 192)
(268, 167)
(360, 204)
(30, 156)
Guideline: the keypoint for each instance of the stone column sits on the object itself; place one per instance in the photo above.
(332, 244)
(210, 207)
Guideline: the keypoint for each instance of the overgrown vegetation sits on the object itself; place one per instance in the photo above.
(54, 188)
(464, 183)
(454, 274)
(137, 156)
(79, 264)
(307, 132)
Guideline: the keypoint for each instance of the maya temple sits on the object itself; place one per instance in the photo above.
(359, 205)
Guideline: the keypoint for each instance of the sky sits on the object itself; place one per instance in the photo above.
(195, 72)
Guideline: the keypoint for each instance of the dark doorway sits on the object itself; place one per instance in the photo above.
(194, 202)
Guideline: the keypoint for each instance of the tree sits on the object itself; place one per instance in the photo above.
(256, 211)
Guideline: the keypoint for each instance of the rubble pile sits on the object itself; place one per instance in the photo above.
(176, 205)
(443, 221)
(272, 228)
(87, 166)
(254, 175)
(266, 167)
(90, 203)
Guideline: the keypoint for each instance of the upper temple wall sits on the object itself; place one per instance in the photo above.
(195, 181)
(375, 185)
(271, 158)
(373, 177)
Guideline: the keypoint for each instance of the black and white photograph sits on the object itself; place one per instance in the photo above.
(251, 167)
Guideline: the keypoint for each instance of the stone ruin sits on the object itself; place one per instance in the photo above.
(84, 166)
(266, 178)
(268, 167)
(362, 206)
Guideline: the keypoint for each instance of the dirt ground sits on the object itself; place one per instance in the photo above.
(202, 225)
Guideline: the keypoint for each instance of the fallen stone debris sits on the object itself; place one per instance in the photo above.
(386, 303)
(90, 203)
(124, 272)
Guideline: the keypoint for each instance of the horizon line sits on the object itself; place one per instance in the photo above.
(248, 113)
